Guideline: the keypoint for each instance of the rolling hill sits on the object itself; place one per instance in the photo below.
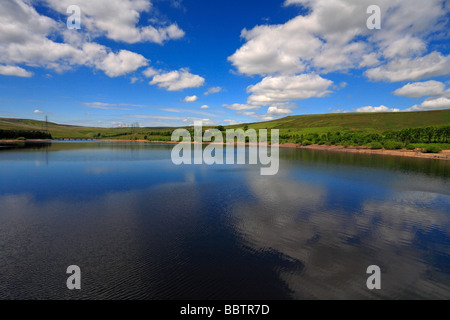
(301, 124)
(376, 122)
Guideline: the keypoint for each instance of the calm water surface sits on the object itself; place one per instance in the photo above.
(140, 227)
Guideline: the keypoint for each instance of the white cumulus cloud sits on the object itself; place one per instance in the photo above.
(118, 19)
(149, 72)
(421, 89)
(115, 65)
(276, 89)
(15, 71)
(333, 36)
(432, 65)
(177, 80)
(432, 104)
(190, 98)
(277, 111)
(377, 109)
(31, 39)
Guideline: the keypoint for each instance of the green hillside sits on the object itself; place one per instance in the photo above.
(292, 129)
(427, 130)
(59, 131)
(375, 122)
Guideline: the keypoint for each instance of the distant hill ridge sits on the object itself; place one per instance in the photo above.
(320, 123)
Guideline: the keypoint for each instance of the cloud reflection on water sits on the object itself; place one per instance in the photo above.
(336, 245)
(146, 229)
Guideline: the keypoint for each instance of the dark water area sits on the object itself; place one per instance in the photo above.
(140, 227)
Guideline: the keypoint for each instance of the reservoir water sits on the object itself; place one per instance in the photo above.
(140, 227)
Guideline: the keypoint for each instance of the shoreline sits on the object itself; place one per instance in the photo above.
(443, 155)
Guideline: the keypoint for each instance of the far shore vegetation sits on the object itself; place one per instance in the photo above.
(428, 131)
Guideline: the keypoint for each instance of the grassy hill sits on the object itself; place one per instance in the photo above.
(59, 131)
(397, 130)
(302, 124)
(374, 122)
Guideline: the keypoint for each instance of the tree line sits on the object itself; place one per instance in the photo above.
(15, 134)
(391, 139)
(399, 138)
(431, 134)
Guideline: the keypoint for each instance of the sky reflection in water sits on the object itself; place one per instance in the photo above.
(140, 227)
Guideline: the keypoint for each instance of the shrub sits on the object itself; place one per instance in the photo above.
(432, 149)
(392, 145)
(410, 147)
(306, 142)
(21, 138)
(376, 145)
(321, 142)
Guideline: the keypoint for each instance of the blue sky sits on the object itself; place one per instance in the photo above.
(171, 62)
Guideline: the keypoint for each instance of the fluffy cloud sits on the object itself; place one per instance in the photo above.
(421, 89)
(115, 65)
(333, 36)
(432, 65)
(272, 49)
(149, 72)
(21, 23)
(15, 71)
(27, 38)
(118, 19)
(278, 111)
(37, 111)
(278, 89)
(190, 99)
(213, 90)
(377, 109)
(204, 107)
(369, 60)
(432, 104)
(177, 80)
(23, 38)
(161, 35)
